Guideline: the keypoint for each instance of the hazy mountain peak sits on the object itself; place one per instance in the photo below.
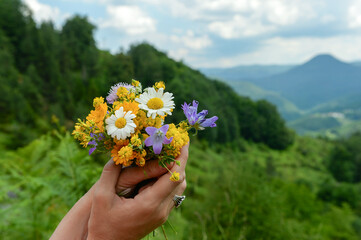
(324, 64)
(324, 59)
(317, 81)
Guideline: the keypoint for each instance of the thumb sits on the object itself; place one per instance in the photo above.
(109, 177)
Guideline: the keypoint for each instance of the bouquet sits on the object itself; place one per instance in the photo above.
(131, 125)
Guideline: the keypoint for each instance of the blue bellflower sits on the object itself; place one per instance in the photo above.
(198, 120)
(157, 137)
(93, 142)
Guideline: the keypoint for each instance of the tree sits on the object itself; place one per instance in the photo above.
(79, 50)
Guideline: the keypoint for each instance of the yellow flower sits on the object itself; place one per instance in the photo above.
(135, 141)
(174, 177)
(135, 83)
(97, 101)
(97, 115)
(180, 138)
(126, 153)
(153, 122)
(114, 152)
(127, 106)
(116, 105)
(140, 157)
(140, 162)
(143, 153)
(123, 156)
(122, 92)
(131, 106)
(145, 136)
(130, 96)
(81, 133)
(183, 125)
(140, 121)
(158, 85)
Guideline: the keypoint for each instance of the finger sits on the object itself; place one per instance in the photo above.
(132, 176)
(164, 187)
(146, 186)
(179, 190)
(109, 177)
(183, 158)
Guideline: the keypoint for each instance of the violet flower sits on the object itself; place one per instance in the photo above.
(94, 141)
(198, 120)
(157, 137)
(112, 95)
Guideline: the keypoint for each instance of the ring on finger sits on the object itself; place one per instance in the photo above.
(125, 192)
(178, 200)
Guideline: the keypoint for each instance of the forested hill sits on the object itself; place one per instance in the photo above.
(46, 73)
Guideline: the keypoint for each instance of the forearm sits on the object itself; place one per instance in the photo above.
(75, 224)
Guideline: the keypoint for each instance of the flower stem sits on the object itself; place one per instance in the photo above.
(165, 166)
(165, 235)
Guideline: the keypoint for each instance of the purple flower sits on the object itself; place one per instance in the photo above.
(112, 95)
(94, 141)
(95, 144)
(198, 120)
(157, 138)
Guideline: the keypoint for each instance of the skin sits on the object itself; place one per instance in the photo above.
(101, 214)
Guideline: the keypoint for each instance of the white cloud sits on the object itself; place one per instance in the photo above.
(191, 41)
(179, 54)
(294, 51)
(242, 18)
(328, 18)
(239, 27)
(43, 12)
(354, 15)
(130, 19)
(288, 12)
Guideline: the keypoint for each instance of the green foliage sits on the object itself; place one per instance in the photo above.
(230, 194)
(239, 187)
(59, 72)
(238, 116)
(39, 184)
(345, 159)
(79, 50)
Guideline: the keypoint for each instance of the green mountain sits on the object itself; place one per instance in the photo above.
(49, 74)
(346, 105)
(286, 108)
(238, 73)
(322, 79)
(320, 96)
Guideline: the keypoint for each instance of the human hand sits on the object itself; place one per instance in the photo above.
(114, 217)
(75, 224)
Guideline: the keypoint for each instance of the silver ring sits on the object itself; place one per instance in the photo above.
(178, 200)
(125, 192)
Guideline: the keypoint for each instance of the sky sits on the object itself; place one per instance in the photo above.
(219, 33)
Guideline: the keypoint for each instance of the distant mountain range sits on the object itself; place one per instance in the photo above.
(321, 94)
(322, 79)
(245, 73)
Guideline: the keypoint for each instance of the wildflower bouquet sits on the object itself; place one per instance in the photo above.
(131, 125)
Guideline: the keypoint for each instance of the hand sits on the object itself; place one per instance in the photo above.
(75, 224)
(114, 217)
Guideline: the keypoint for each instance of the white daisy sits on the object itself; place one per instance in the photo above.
(120, 124)
(156, 102)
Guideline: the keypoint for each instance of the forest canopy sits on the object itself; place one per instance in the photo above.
(55, 73)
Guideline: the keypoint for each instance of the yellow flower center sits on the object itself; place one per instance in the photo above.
(155, 103)
(120, 123)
